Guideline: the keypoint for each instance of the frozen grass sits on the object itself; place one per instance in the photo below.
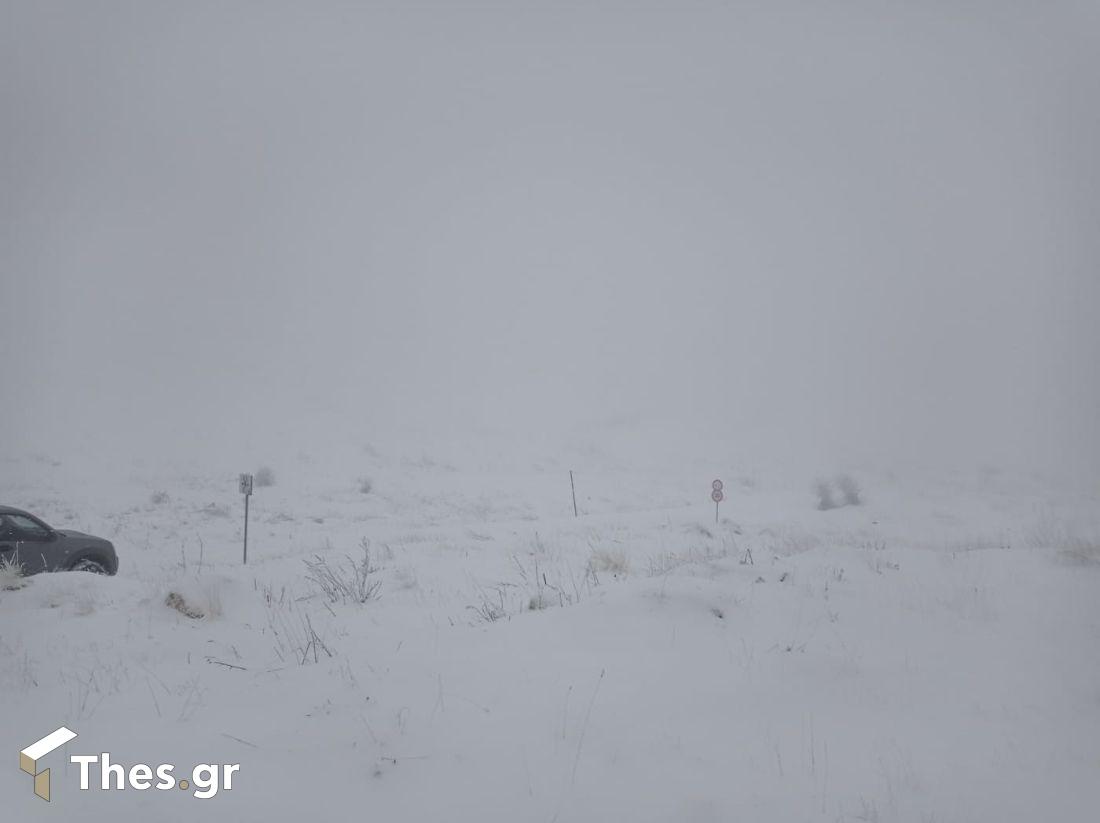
(11, 575)
(352, 582)
(613, 561)
(295, 635)
(491, 605)
(1074, 542)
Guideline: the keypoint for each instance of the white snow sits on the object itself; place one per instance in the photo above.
(928, 656)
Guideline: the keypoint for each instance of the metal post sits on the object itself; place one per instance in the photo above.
(245, 488)
(246, 528)
(574, 488)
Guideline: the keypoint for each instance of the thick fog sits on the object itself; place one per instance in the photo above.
(858, 230)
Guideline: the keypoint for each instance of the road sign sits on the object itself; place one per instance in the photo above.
(717, 496)
(245, 485)
(716, 485)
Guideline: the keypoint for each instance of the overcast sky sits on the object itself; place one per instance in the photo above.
(854, 227)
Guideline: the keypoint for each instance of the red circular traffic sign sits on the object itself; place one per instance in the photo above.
(716, 485)
(717, 495)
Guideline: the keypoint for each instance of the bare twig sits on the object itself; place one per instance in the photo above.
(227, 665)
(584, 728)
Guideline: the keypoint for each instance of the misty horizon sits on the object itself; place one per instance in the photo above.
(859, 233)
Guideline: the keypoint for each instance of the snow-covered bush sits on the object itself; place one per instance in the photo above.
(177, 601)
(11, 575)
(538, 602)
(264, 477)
(159, 498)
(824, 491)
(1072, 542)
(614, 561)
(849, 490)
(366, 486)
(196, 597)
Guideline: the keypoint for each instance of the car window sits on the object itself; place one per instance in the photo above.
(26, 527)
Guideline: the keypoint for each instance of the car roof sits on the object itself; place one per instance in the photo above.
(12, 510)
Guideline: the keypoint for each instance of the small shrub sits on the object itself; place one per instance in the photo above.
(538, 602)
(490, 610)
(1072, 543)
(353, 583)
(824, 491)
(176, 601)
(365, 485)
(196, 597)
(264, 477)
(609, 560)
(159, 498)
(849, 490)
(11, 575)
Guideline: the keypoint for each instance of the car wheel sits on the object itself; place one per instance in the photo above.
(88, 565)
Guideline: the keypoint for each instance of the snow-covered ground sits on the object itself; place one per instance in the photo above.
(929, 655)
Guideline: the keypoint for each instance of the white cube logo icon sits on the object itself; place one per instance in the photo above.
(29, 757)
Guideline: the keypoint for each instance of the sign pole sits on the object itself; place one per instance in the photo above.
(246, 525)
(245, 485)
(574, 489)
(717, 496)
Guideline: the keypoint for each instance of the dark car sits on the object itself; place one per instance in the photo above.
(35, 547)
